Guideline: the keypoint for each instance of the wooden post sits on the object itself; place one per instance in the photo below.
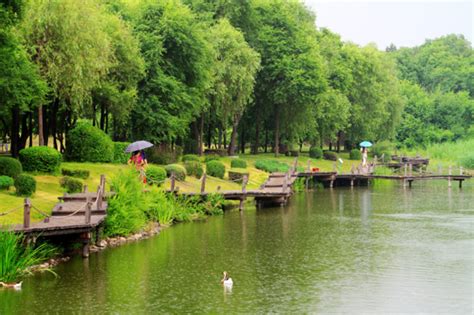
(244, 190)
(172, 182)
(352, 169)
(383, 158)
(295, 165)
(86, 189)
(460, 183)
(102, 181)
(352, 181)
(86, 237)
(449, 173)
(308, 167)
(405, 166)
(26, 213)
(409, 183)
(375, 160)
(460, 170)
(439, 169)
(87, 212)
(334, 167)
(203, 183)
(285, 183)
(410, 167)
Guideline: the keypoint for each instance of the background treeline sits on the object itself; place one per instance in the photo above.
(221, 74)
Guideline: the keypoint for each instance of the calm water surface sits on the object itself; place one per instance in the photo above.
(366, 250)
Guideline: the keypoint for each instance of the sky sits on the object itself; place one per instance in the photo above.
(404, 23)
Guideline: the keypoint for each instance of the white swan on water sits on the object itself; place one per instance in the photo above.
(226, 280)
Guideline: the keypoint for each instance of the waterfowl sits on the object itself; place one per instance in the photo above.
(16, 286)
(226, 280)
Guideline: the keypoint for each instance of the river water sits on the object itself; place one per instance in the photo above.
(381, 249)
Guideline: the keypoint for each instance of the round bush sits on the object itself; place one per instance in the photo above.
(10, 167)
(120, 156)
(383, 147)
(40, 159)
(211, 157)
(190, 157)
(355, 154)
(72, 185)
(75, 173)
(215, 168)
(329, 155)
(238, 163)
(193, 168)
(468, 162)
(237, 175)
(178, 170)
(86, 143)
(25, 185)
(315, 152)
(6, 182)
(155, 175)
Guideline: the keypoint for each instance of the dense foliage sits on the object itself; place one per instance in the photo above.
(86, 143)
(330, 155)
(355, 154)
(5, 182)
(120, 156)
(215, 168)
(75, 173)
(194, 168)
(10, 167)
(315, 152)
(271, 166)
(25, 185)
(238, 163)
(40, 159)
(71, 185)
(155, 175)
(237, 175)
(176, 169)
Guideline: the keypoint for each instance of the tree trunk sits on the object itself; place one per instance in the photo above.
(40, 125)
(24, 131)
(257, 133)
(233, 137)
(242, 141)
(15, 129)
(31, 128)
(219, 139)
(338, 143)
(266, 141)
(330, 145)
(277, 131)
(224, 136)
(102, 117)
(53, 119)
(106, 121)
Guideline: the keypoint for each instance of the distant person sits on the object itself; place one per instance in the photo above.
(140, 163)
(364, 156)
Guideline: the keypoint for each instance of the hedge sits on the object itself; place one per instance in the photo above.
(178, 170)
(215, 168)
(330, 155)
(75, 173)
(6, 182)
(315, 152)
(271, 166)
(190, 157)
(86, 143)
(237, 175)
(10, 167)
(211, 157)
(25, 185)
(193, 168)
(155, 175)
(355, 154)
(40, 159)
(120, 156)
(72, 185)
(238, 163)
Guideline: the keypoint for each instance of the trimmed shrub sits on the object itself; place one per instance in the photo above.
(468, 162)
(330, 155)
(6, 182)
(315, 152)
(237, 175)
(86, 143)
(10, 167)
(163, 155)
(120, 156)
(355, 154)
(193, 168)
(215, 168)
(75, 173)
(178, 170)
(271, 166)
(294, 153)
(238, 163)
(211, 157)
(25, 185)
(155, 175)
(40, 159)
(190, 157)
(72, 185)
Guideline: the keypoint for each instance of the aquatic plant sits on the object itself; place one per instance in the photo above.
(16, 258)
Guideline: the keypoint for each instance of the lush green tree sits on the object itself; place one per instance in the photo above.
(178, 77)
(68, 42)
(235, 67)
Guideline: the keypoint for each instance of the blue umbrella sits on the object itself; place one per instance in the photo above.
(138, 145)
(365, 144)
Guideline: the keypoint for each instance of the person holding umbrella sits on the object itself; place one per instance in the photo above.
(364, 145)
(138, 157)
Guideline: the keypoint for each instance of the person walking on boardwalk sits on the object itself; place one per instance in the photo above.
(140, 162)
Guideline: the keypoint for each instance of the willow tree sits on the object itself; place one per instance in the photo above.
(69, 44)
(235, 67)
(178, 77)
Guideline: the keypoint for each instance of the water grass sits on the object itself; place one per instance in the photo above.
(16, 257)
